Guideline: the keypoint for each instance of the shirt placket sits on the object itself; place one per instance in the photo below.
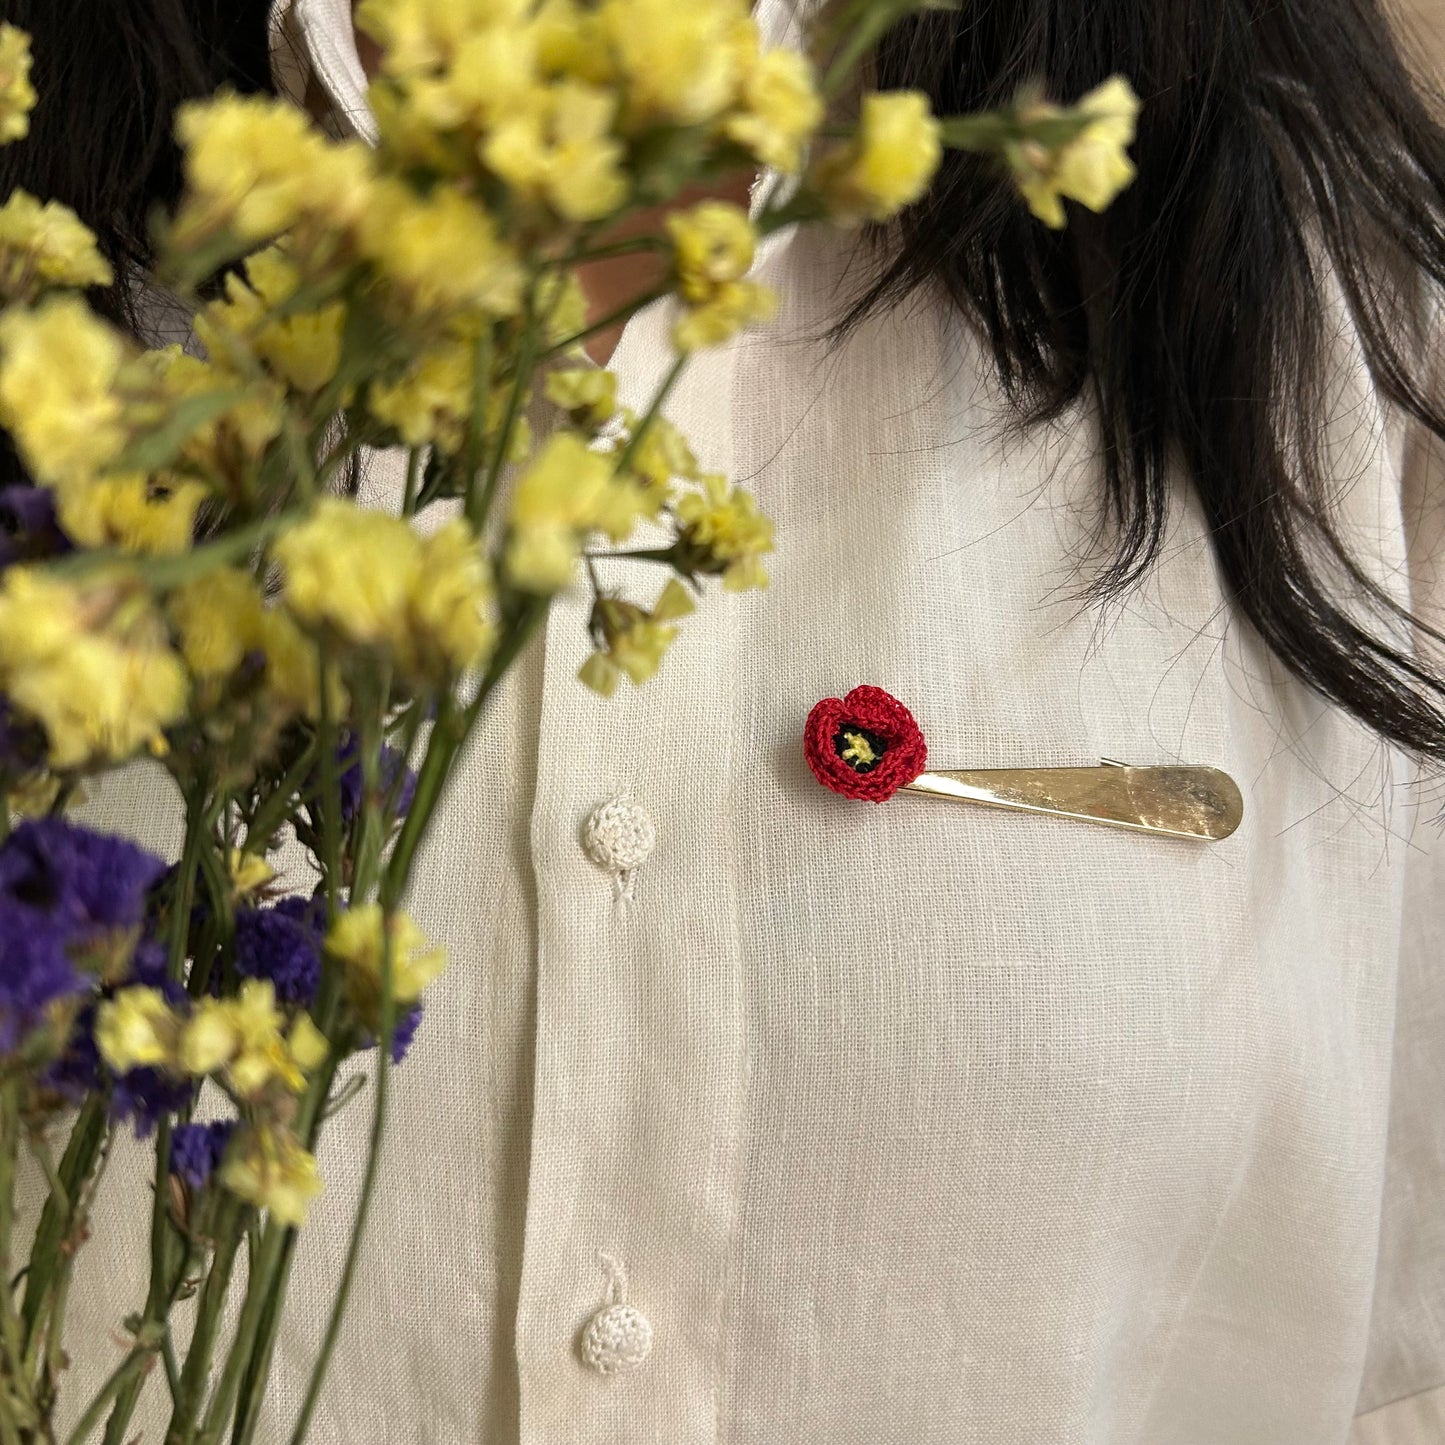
(640, 1051)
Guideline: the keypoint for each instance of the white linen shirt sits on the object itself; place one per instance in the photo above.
(913, 1123)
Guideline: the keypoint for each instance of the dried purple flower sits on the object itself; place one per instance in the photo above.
(81, 880)
(273, 943)
(28, 526)
(197, 1149)
(35, 971)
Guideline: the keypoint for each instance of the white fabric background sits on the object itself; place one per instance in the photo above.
(913, 1123)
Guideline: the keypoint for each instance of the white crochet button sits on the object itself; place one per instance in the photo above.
(618, 1338)
(620, 836)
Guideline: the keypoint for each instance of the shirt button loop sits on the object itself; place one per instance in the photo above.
(620, 837)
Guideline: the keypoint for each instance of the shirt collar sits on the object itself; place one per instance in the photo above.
(313, 46)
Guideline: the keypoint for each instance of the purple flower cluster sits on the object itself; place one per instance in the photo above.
(28, 526)
(197, 1150)
(283, 943)
(395, 776)
(85, 882)
(63, 891)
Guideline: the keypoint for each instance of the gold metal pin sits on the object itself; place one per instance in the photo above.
(1179, 802)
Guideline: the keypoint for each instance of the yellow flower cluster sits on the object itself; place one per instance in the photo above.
(63, 398)
(17, 95)
(713, 246)
(91, 664)
(255, 167)
(430, 401)
(222, 621)
(249, 1045)
(723, 533)
(303, 348)
(440, 253)
(632, 641)
(566, 492)
(360, 939)
(889, 162)
(561, 152)
(368, 578)
(1091, 168)
(44, 246)
(547, 97)
(58, 369)
(245, 1040)
(132, 512)
(267, 1167)
(778, 107)
(588, 394)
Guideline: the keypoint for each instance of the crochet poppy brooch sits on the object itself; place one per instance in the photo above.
(865, 745)
(868, 745)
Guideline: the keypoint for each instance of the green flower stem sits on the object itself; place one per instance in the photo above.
(208, 1318)
(11, 1333)
(604, 323)
(370, 826)
(452, 728)
(613, 248)
(198, 827)
(162, 1286)
(259, 1288)
(200, 820)
(273, 812)
(125, 1375)
(81, 1151)
(413, 482)
(368, 1189)
(258, 1369)
(326, 742)
(652, 413)
(167, 572)
(525, 365)
(479, 499)
(9, 1428)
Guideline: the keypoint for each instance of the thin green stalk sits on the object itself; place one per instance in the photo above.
(604, 323)
(196, 1373)
(478, 500)
(258, 1290)
(198, 822)
(9, 1428)
(413, 482)
(652, 413)
(272, 813)
(76, 1163)
(526, 357)
(258, 1370)
(370, 825)
(368, 1190)
(327, 742)
(172, 571)
(10, 1330)
(159, 1295)
(128, 1371)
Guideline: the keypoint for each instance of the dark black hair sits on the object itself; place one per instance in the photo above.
(1283, 148)
(110, 74)
(1282, 144)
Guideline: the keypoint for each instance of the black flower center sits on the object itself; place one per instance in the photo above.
(861, 748)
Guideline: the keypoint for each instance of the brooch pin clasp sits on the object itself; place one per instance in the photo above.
(868, 745)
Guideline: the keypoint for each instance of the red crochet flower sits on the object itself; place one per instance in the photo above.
(865, 745)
